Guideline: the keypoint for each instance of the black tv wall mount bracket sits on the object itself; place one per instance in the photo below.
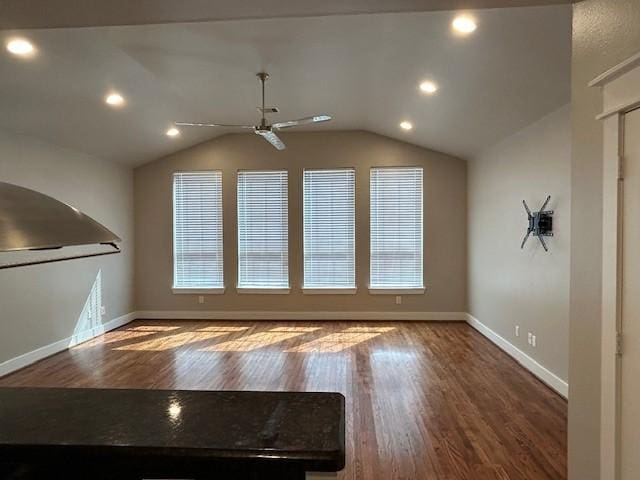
(540, 224)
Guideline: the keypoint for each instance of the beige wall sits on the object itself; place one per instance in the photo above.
(40, 305)
(445, 221)
(509, 286)
(605, 32)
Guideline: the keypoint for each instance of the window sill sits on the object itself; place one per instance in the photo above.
(263, 291)
(396, 291)
(329, 291)
(198, 291)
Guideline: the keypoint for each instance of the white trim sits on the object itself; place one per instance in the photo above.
(620, 96)
(623, 108)
(546, 376)
(329, 291)
(611, 308)
(33, 356)
(616, 72)
(198, 291)
(263, 290)
(396, 291)
(302, 316)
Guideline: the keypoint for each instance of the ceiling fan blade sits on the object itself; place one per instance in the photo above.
(272, 138)
(194, 124)
(302, 121)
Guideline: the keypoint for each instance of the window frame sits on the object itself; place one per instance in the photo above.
(333, 290)
(195, 290)
(390, 290)
(254, 289)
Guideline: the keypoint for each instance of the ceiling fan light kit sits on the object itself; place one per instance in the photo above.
(265, 130)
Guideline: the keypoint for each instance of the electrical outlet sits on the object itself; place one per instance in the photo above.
(398, 299)
(517, 330)
(533, 340)
(201, 299)
(529, 337)
(103, 310)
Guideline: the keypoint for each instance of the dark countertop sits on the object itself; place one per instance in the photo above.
(173, 427)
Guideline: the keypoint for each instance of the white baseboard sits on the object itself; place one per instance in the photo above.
(546, 376)
(303, 316)
(33, 356)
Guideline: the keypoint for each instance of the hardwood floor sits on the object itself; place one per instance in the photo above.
(424, 400)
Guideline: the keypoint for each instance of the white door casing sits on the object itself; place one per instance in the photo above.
(620, 381)
(630, 326)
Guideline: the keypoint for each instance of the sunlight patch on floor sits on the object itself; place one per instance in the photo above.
(369, 329)
(152, 328)
(338, 342)
(258, 340)
(294, 329)
(165, 338)
(229, 329)
(172, 341)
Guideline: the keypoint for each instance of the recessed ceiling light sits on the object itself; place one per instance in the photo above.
(173, 132)
(21, 47)
(428, 87)
(114, 99)
(406, 125)
(464, 24)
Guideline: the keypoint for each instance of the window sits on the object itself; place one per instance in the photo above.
(329, 230)
(396, 229)
(197, 231)
(263, 245)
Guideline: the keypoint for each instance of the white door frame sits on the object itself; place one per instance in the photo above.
(621, 95)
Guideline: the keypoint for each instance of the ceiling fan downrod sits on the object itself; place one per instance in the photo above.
(263, 76)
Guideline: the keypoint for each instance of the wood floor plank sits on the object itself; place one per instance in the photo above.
(424, 400)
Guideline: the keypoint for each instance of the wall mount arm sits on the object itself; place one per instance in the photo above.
(540, 224)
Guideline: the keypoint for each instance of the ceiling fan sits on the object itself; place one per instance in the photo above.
(266, 131)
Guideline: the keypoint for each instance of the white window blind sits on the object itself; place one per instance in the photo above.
(263, 245)
(396, 228)
(197, 230)
(329, 228)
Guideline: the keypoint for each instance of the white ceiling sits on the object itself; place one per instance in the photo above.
(362, 69)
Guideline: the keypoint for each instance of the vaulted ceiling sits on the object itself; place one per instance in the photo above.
(364, 70)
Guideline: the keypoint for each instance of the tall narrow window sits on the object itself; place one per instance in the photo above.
(329, 229)
(197, 231)
(396, 228)
(263, 240)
